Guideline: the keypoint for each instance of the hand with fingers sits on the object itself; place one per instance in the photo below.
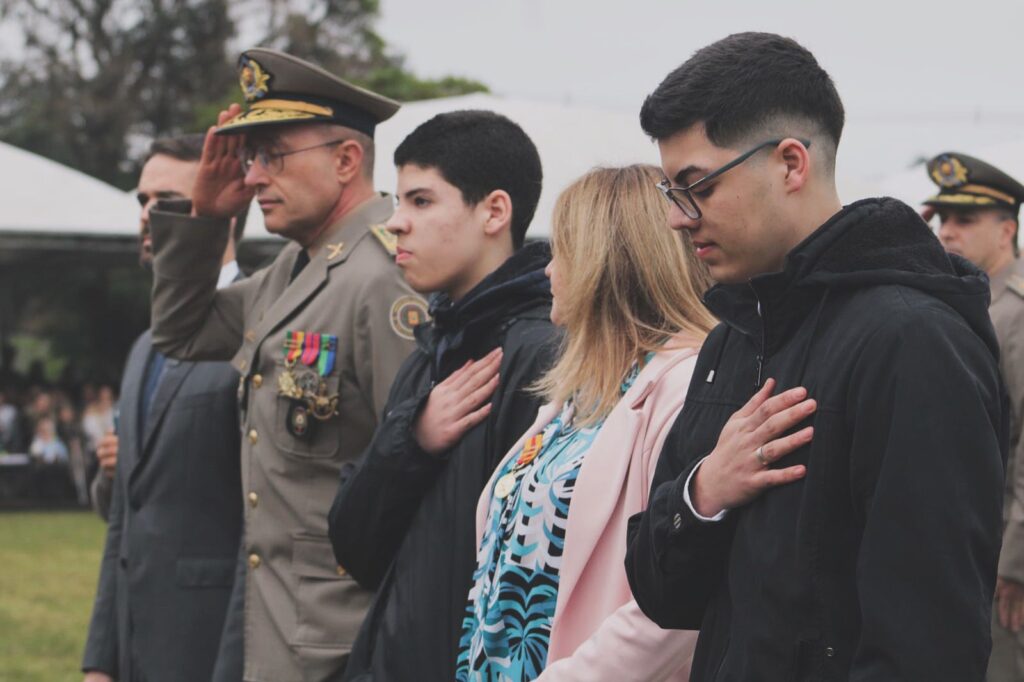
(106, 453)
(1010, 604)
(458, 403)
(737, 470)
(219, 190)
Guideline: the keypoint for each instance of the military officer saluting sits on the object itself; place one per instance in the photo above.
(317, 338)
(978, 207)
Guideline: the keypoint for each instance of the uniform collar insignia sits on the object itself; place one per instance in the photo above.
(334, 250)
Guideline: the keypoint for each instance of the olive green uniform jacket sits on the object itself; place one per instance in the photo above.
(1007, 311)
(301, 610)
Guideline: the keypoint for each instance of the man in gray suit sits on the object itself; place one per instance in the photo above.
(175, 511)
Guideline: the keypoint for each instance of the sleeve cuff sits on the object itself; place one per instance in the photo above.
(689, 503)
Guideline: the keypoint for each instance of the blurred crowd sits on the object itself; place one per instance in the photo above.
(48, 438)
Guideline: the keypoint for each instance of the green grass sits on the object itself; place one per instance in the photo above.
(49, 562)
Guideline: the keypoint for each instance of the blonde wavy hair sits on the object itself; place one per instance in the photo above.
(631, 285)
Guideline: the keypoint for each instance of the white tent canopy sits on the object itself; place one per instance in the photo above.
(43, 196)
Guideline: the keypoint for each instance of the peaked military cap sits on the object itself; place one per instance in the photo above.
(967, 182)
(280, 89)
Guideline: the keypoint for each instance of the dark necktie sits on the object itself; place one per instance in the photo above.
(154, 371)
(301, 261)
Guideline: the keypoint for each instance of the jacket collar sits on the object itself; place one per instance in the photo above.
(335, 246)
(870, 242)
(461, 329)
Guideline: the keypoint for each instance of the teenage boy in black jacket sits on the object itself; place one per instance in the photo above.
(827, 506)
(403, 519)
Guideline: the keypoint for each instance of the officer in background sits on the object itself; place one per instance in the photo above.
(175, 520)
(978, 207)
(317, 337)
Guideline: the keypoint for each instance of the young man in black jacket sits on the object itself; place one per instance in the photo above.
(827, 506)
(403, 519)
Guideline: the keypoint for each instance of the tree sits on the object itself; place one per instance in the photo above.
(96, 75)
(97, 79)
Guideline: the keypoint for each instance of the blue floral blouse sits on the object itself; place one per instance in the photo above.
(507, 626)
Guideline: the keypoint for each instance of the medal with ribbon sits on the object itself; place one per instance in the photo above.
(507, 483)
(309, 358)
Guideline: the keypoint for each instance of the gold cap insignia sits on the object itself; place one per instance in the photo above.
(949, 172)
(253, 79)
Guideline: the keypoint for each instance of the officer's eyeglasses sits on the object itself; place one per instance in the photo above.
(273, 162)
(683, 196)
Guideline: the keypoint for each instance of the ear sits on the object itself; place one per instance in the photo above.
(1009, 231)
(348, 160)
(797, 160)
(497, 209)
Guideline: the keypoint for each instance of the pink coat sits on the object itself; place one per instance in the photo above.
(598, 632)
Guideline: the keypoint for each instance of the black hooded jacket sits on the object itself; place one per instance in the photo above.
(880, 564)
(403, 521)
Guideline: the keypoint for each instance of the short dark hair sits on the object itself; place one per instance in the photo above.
(189, 147)
(480, 152)
(739, 85)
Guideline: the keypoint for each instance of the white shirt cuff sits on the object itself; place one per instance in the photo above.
(689, 503)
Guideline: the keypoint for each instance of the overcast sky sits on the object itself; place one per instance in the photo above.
(916, 77)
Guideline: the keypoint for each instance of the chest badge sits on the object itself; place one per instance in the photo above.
(309, 358)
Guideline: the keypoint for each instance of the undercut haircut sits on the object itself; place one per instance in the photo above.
(748, 85)
(480, 152)
(189, 147)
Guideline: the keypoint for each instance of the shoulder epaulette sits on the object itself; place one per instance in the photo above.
(1015, 283)
(387, 240)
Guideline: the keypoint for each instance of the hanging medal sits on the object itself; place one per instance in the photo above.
(507, 483)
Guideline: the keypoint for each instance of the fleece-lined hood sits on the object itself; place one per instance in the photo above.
(868, 243)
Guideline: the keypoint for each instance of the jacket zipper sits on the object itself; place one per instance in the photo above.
(761, 357)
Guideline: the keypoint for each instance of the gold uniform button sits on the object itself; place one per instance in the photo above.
(253, 436)
(341, 570)
(255, 561)
(254, 499)
(257, 380)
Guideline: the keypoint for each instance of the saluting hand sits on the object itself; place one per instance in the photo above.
(219, 190)
(737, 469)
(454, 405)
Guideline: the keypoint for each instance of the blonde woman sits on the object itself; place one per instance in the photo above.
(550, 599)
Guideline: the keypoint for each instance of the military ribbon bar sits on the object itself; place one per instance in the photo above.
(328, 351)
(293, 344)
(311, 351)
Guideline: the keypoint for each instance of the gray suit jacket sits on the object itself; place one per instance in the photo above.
(175, 525)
